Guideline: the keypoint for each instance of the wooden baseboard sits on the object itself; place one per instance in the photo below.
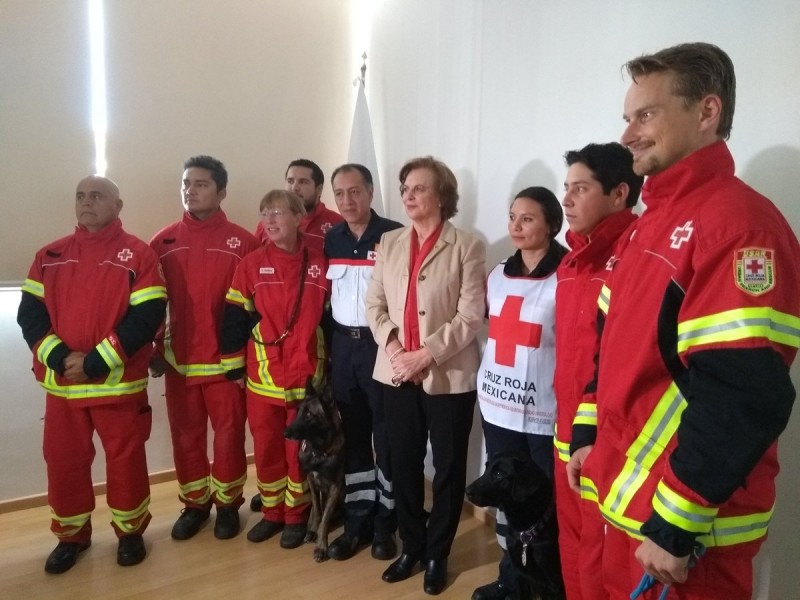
(483, 515)
(38, 500)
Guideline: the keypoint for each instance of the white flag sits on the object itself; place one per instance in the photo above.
(362, 147)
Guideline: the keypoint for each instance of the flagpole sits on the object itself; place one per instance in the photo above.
(362, 144)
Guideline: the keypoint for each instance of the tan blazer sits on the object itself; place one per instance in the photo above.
(451, 299)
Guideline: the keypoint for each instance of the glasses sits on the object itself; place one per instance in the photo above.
(416, 190)
(275, 213)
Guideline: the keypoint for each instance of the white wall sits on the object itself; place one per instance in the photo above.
(501, 89)
(255, 83)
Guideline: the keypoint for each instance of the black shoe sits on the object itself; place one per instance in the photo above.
(491, 591)
(189, 523)
(263, 530)
(64, 556)
(345, 546)
(227, 523)
(131, 550)
(435, 576)
(293, 536)
(384, 549)
(401, 569)
(255, 503)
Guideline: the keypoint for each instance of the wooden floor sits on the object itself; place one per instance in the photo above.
(205, 567)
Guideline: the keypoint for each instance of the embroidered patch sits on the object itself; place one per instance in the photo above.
(266, 271)
(314, 271)
(372, 255)
(754, 270)
(125, 255)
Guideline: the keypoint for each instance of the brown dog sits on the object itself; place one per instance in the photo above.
(513, 483)
(319, 428)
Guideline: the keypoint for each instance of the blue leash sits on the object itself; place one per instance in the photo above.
(648, 581)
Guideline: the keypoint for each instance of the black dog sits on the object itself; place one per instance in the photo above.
(513, 483)
(319, 427)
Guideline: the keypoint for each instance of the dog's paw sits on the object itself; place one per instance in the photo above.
(320, 554)
(311, 537)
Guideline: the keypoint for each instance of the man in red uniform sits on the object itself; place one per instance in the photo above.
(701, 322)
(90, 308)
(199, 255)
(599, 192)
(306, 180)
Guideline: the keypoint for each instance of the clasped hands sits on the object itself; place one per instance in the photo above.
(411, 366)
(73, 367)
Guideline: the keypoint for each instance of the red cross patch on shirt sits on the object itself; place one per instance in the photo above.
(754, 270)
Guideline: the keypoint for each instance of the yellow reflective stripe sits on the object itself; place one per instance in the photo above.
(237, 297)
(645, 450)
(82, 391)
(297, 486)
(727, 531)
(586, 414)
(46, 347)
(273, 501)
(129, 521)
(267, 386)
(589, 489)
(297, 493)
(201, 370)
(235, 362)
(738, 324)
(292, 501)
(562, 448)
(604, 299)
(33, 287)
(275, 391)
(70, 525)
(681, 511)
(272, 486)
(109, 354)
(222, 490)
(200, 485)
(149, 293)
(194, 370)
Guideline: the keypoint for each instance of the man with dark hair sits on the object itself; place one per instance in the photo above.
(306, 179)
(90, 308)
(199, 255)
(700, 322)
(351, 250)
(600, 190)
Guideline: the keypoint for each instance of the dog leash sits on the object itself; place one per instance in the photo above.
(648, 581)
(527, 536)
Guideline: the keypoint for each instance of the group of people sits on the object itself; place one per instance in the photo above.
(655, 415)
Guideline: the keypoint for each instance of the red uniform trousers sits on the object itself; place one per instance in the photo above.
(724, 573)
(123, 429)
(580, 540)
(281, 482)
(189, 408)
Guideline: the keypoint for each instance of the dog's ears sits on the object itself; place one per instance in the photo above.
(310, 390)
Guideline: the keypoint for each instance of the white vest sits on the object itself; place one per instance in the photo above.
(515, 379)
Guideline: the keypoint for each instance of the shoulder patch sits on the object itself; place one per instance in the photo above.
(754, 270)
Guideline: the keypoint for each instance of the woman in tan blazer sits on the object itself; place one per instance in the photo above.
(425, 305)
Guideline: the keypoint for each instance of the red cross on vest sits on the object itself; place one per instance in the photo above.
(508, 331)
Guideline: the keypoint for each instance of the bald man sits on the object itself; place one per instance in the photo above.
(90, 308)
